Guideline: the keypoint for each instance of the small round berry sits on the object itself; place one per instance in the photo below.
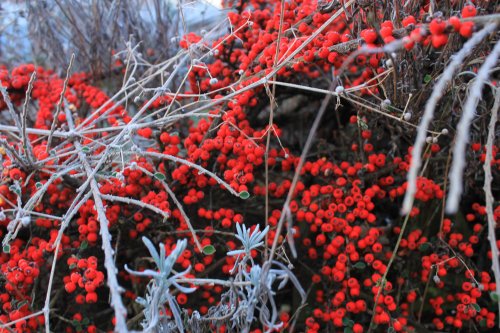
(469, 11)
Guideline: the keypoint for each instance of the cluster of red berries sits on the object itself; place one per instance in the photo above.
(257, 29)
(84, 275)
(20, 269)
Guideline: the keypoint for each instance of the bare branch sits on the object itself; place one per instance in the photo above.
(489, 196)
(437, 92)
(463, 128)
(59, 104)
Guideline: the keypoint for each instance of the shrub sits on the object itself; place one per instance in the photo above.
(302, 172)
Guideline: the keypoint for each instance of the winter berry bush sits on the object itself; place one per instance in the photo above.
(302, 166)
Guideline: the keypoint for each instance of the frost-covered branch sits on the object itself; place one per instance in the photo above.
(431, 105)
(489, 196)
(463, 128)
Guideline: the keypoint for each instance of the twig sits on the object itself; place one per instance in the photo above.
(382, 280)
(59, 104)
(489, 197)
(114, 288)
(296, 176)
(4, 326)
(272, 103)
(108, 106)
(213, 282)
(10, 107)
(24, 118)
(135, 202)
(13, 154)
(179, 206)
(200, 169)
(37, 131)
(347, 97)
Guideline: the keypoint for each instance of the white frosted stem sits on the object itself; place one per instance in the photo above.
(437, 93)
(489, 196)
(463, 128)
(115, 289)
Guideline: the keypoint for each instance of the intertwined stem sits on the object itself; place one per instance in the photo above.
(463, 129)
(431, 105)
(489, 196)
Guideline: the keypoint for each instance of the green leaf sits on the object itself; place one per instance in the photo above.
(21, 304)
(159, 176)
(77, 325)
(427, 78)
(347, 322)
(208, 250)
(494, 297)
(359, 265)
(347, 330)
(423, 247)
(362, 124)
(85, 321)
(482, 323)
(391, 330)
(38, 185)
(84, 245)
(244, 195)
(85, 149)
(391, 108)
(476, 307)
(15, 189)
(6, 248)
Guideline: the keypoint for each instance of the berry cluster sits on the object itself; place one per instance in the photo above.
(84, 275)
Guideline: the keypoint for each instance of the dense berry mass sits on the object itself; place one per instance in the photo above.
(90, 181)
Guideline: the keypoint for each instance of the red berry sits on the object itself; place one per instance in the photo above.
(409, 20)
(369, 35)
(469, 11)
(70, 287)
(91, 297)
(467, 29)
(439, 40)
(145, 132)
(386, 32)
(455, 23)
(437, 26)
